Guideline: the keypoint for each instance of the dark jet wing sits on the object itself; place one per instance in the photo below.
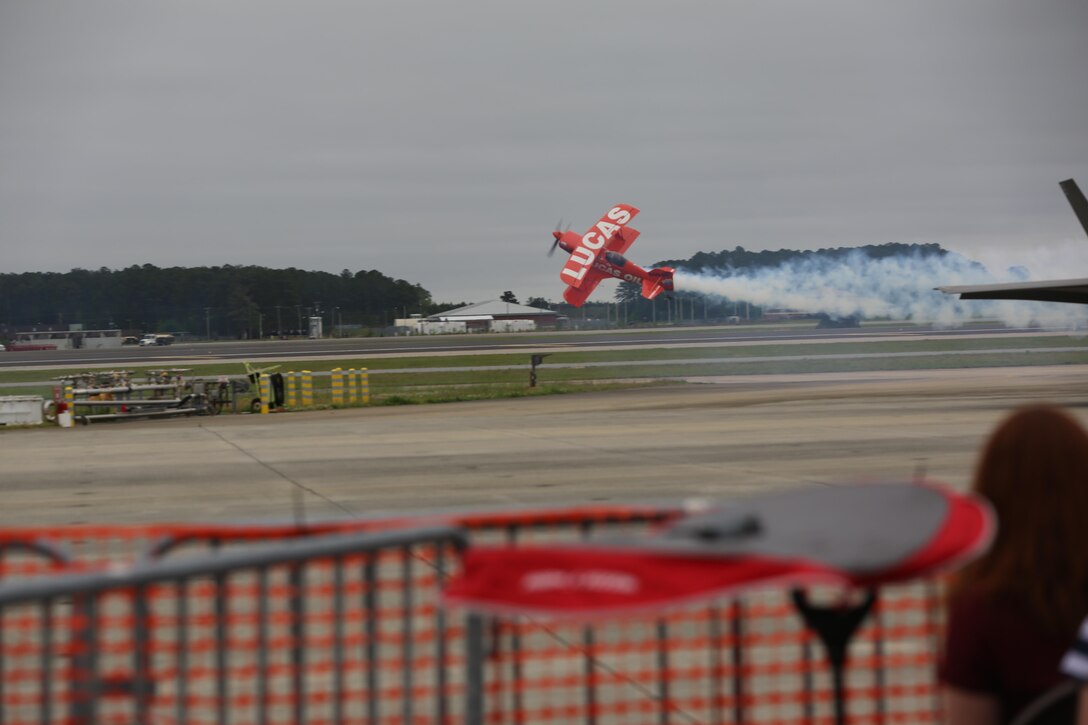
(1055, 290)
(1077, 201)
(1058, 290)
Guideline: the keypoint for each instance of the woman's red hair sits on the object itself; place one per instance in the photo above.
(1034, 470)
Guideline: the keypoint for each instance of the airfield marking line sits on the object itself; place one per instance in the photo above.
(362, 355)
(299, 487)
(667, 361)
(579, 443)
(754, 359)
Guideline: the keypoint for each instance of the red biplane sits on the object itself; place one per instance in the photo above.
(598, 254)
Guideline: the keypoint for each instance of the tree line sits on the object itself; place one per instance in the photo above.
(227, 301)
(248, 301)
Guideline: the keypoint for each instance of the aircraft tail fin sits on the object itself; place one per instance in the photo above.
(660, 280)
(1077, 201)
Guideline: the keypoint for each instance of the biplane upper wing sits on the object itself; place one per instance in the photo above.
(579, 265)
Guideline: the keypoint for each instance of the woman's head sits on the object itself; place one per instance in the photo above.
(1034, 470)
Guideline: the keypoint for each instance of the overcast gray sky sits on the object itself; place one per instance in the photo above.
(439, 142)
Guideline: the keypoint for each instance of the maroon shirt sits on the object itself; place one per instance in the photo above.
(992, 647)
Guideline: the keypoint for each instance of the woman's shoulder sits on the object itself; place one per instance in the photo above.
(992, 646)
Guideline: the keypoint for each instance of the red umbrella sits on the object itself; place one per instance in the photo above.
(855, 536)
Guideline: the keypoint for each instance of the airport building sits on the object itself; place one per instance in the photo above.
(490, 316)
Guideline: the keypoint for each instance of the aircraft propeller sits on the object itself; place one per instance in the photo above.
(557, 234)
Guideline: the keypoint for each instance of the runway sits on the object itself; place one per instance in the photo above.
(719, 438)
(283, 350)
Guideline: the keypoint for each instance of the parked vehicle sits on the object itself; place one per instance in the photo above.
(156, 339)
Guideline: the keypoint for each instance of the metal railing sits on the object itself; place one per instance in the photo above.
(327, 629)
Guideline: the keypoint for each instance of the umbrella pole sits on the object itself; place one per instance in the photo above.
(835, 626)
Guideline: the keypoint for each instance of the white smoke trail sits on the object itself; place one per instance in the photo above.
(900, 287)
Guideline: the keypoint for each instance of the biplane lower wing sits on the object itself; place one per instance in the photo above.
(578, 295)
(623, 240)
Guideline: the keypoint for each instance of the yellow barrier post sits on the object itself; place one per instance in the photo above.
(289, 389)
(364, 386)
(352, 379)
(266, 392)
(337, 387)
(64, 420)
(307, 389)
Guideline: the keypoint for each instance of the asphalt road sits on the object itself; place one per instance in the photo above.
(267, 350)
(718, 439)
